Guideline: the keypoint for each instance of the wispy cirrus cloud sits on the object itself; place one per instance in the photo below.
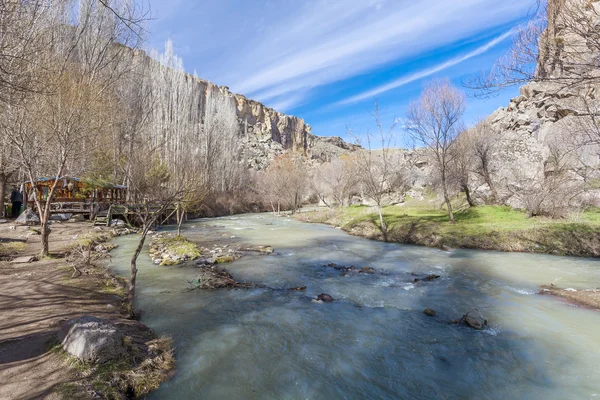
(281, 51)
(370, 94)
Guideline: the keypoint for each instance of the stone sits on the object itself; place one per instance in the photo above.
(60, 217)
(474, 319)
(3, 221)
(429, 312)
(28, 217)
(77, 218)
(427, 278)
(24, 260)
(92, 339)
(325, 298)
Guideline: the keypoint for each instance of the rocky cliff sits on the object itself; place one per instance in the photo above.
(263, 132)
(553, 123)
(268, 133)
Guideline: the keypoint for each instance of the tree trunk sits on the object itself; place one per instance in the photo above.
(133, 264)
(180, 217)
(2, 194)
(468, 194)
(449, 205)
(446, 197)
(45, 236)
(488, 180)
(382, 223)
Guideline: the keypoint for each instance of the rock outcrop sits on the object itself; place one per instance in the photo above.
(552, 124)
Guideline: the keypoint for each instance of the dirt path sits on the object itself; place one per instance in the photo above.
(34, 299)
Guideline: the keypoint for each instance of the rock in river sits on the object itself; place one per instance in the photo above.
(474, 319)
(325, 298)
(429, 312)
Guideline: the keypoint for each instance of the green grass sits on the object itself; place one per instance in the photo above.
(484, 227)
(180, 246)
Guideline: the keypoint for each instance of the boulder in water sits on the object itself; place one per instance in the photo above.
(474, 319)
(429, 312)
(428, 278)
(325, 298)
(28, 217)
(92, 339)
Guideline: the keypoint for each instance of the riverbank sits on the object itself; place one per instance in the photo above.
(485, 228)
(38, 296)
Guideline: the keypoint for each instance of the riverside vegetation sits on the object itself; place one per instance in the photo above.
(484, 227)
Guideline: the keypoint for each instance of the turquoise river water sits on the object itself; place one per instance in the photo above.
(373, 342)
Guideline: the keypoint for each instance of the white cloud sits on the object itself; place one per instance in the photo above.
(427, 72)
(267, 49)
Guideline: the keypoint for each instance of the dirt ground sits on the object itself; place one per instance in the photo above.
(34, 299)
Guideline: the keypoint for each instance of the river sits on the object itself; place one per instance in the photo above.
(374, 341)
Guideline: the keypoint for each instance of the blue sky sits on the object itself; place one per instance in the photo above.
(327, 61)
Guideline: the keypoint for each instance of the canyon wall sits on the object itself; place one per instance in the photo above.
(263, 132)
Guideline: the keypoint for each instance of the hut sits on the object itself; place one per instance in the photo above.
(75, 195)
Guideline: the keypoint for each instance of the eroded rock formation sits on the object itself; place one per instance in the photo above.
(553, 123)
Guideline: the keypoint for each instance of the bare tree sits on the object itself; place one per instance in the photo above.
(434, 122)
(461, 165)
(336, 180)
(484, 140)
(156, 193)
(82, 64)
(285, 183)
(377, 173)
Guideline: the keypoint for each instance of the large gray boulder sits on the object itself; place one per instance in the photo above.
(28, 217)
(92, 339)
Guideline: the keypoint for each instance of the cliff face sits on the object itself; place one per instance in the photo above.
(263, 132)
(553, 122)
(265, 124)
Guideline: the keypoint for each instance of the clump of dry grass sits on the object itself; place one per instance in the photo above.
(11, 248)
(154, 370)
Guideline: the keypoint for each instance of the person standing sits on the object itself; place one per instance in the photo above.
(16, 198)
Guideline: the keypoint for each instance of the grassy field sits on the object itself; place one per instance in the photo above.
(485, 227)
